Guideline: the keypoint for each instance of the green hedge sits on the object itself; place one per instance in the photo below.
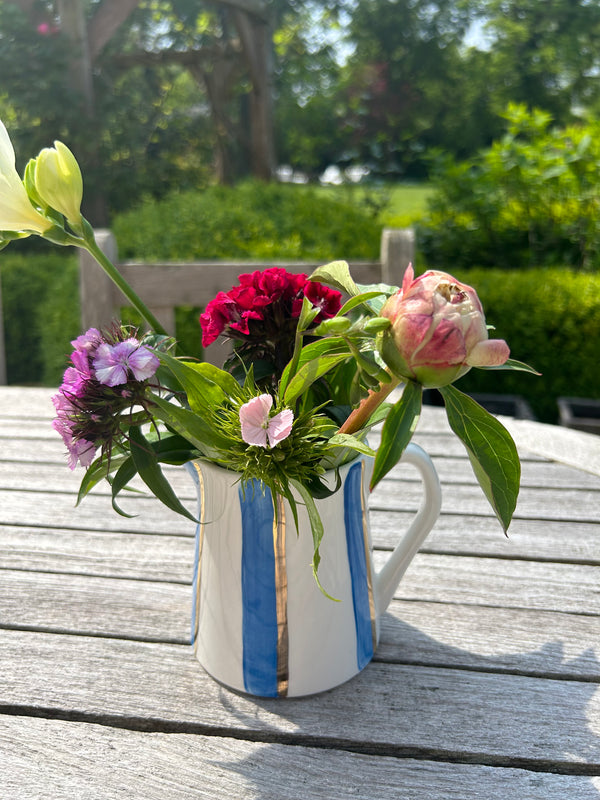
(551, 320)
(40, 305)
(253, 221)
(530, 200)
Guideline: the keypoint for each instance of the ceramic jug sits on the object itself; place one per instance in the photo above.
(260, 623)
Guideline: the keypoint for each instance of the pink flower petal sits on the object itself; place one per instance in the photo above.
(260, 430)
(490, 353)
(280, 426)
(254, 417)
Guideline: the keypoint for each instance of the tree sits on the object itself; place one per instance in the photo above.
(545, 55)
(224, 45)
(403, 82)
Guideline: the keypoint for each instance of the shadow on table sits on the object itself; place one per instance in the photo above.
(530, 713)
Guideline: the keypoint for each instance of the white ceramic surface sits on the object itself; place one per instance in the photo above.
(260, 623)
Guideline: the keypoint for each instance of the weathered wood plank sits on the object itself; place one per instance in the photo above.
(168, 557)
(569, 588)
(97, 553)
(392, 709)
(491, 639)
(31, 474)
(53, 760)
(146, 610)
(161, 611)
(537, 540)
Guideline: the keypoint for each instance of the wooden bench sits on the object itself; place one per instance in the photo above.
(165, 286)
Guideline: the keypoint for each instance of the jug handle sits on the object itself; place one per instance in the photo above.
(387, 579)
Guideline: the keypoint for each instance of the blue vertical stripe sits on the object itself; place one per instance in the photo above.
(353, 519)
(259, 602)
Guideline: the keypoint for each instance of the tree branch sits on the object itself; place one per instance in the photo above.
(257, 8)
(109, 17)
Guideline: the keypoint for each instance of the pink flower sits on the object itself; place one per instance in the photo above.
(258, 427)
(438, 330)
(114, 363)
(80, 450)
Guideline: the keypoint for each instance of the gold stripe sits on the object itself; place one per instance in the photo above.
(200, 543)
(281, 591)
(368, 561)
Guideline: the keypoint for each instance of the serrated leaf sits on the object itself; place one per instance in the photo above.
(491, 450)
(397, 431)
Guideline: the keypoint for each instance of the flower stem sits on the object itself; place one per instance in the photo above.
(113, 273)
(359, 417)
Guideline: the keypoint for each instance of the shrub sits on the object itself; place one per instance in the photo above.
(249, 221)
(40, 306)
(551, 320)
(530, 200)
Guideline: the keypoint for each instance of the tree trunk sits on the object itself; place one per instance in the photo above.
(255, 37)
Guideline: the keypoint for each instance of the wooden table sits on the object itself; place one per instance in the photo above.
(485, 684)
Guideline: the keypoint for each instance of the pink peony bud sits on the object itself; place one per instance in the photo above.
(438, 331)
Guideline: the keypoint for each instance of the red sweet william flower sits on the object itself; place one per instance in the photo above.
(260, 314)
(328, 300)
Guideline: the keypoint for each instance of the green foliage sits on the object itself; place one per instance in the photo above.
(252, 220)
(551, 319)
(40, 305)
(531, 199)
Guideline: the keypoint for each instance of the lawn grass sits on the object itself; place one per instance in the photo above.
(395, 205)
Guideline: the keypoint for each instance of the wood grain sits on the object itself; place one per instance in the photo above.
(55, 760)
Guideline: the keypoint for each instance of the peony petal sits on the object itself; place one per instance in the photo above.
(280, 426)
(489, 353)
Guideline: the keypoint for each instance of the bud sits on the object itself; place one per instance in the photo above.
(376, 324)
(438, 331)
(334, 325)
(58, 181)
(17, 213)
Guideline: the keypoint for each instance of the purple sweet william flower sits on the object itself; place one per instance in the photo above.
(114, 363)
(258, 426)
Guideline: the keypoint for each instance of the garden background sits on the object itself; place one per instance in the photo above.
(284, 130)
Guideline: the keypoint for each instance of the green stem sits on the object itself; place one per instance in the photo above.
(113, 273)
(359, 417)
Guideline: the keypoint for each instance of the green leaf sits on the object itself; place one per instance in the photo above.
(511, 363)
(316, 526)
(309, 373)
(336, 274)
(334, 344)
(207, 387)
(146, 464)
(97, 471)
(397, 431)
(491, 450)
(358, 300)
(192, 426)
(347, 440)
(124, 474)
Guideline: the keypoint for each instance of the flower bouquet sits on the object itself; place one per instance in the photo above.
(313, 363)
(313, 367)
